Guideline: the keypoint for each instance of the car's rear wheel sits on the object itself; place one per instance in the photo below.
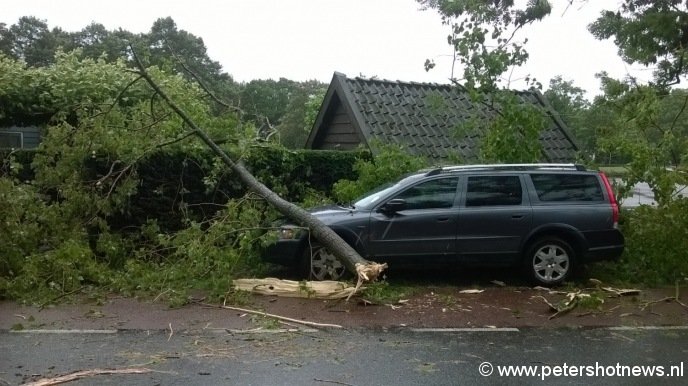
(318, 263)
(549, 261)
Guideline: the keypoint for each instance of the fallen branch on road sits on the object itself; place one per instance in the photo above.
(622, 291)
(582, 296)
(675, 298)
(278, 317)
(565, 305)
(331, 381)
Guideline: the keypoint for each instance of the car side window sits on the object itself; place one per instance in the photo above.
(567, 187)
(493, 191)
(433, 194)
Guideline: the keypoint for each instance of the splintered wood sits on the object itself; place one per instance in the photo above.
(296, 289)
(369, 271)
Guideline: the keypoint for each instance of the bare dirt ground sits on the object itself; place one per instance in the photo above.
(430, 306)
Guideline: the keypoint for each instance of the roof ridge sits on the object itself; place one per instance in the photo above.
(398, 82)
(375, 79)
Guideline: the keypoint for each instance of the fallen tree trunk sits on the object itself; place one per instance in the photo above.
(340, 248)
(296, 289)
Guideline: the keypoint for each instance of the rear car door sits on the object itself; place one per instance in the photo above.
(494, 220)
(425, 227)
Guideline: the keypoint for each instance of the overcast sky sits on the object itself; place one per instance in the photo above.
(310, 39)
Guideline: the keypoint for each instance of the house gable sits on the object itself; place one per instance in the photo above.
(337, 125)
(340, 132)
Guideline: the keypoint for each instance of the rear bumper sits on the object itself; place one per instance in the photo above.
(604, 253)
(605, 245)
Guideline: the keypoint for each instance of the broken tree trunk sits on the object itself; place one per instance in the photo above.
(365, 270)
(295, 289)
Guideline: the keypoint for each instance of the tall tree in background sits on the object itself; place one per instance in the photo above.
(96, 41)
(266, 99)
(279, 106)
(164, 45)
(283, 110)
(179, 51)
(569, 102)
(170, 47)
(30, 40)
(299, 117)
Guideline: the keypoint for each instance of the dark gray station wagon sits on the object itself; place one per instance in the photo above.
(546, 218)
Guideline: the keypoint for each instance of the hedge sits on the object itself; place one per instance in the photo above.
(175, 186)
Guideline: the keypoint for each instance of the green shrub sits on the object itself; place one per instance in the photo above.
(389, 164)
(296, 173)
(201, 256)
(656, 246)
(43, 277)
(175, 187)
(17, 163)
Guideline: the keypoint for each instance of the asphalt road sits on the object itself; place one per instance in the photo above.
(348, 357)
(642, 195)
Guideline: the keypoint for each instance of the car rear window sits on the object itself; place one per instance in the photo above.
(567, 187)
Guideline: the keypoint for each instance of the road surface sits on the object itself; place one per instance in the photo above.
(351, 356)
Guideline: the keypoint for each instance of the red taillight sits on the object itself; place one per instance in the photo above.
(612, 199)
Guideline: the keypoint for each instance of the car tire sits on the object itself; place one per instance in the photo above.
(318, 263)
(549, 261)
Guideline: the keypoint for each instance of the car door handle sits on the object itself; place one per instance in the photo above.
(443, 219)
(516, 216)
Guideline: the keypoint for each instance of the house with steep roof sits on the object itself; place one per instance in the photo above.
(358, 111)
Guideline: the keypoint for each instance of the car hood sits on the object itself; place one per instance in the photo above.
(333, 213)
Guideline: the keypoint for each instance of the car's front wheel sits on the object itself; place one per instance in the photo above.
(549, 261)
(318, 263)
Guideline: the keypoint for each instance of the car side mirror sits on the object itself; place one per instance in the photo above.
(393, 206)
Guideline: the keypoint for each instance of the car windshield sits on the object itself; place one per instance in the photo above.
(372, 198)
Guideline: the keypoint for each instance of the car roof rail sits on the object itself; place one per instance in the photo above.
(531, 166)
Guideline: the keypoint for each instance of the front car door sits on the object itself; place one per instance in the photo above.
(425, 227)
(495, 218)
